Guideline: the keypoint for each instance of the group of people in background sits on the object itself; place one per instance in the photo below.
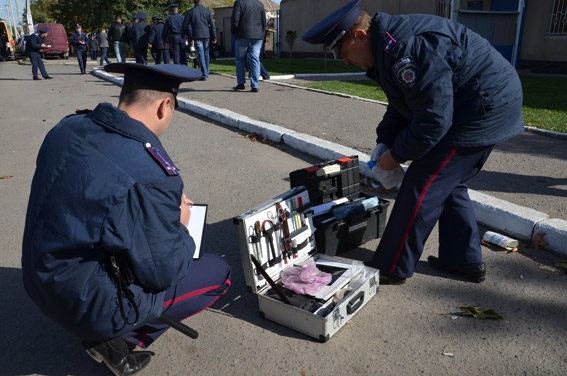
(171, 38)
(168, 39)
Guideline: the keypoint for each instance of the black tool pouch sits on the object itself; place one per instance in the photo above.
(123, 277)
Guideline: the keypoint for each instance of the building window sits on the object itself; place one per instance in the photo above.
(558, 23)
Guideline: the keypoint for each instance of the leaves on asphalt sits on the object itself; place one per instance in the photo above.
(561, 265)
(538, 241)
(6, 177)
(480, 314)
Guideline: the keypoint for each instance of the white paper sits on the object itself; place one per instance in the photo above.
(197, 227)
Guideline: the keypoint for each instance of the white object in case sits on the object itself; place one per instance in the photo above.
(322, 316)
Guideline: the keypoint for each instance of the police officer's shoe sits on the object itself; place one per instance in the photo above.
(36, 78)
(239, 87)
(390, 279)
(474, 274)
(118, 358)
(385, 277)
(48, 77)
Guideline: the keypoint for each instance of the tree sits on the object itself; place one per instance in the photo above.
(94, 14)
(290, 37)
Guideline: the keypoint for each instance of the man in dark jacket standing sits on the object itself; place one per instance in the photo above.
(199, 26)
(451, 98)
(34, 44)
(160, 50)
(248, 25)
(139, 34)
(118, 35)
(172, 34)
(106, 246)
(80, 41)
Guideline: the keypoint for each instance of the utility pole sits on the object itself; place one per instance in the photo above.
(29, 18)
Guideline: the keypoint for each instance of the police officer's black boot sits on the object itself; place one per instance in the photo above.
(115, 354)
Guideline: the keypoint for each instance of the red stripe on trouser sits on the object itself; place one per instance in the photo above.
(417, 207)
(192, 294)
(142, 342)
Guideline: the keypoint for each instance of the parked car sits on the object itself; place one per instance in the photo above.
(10, 47)
(57, 38)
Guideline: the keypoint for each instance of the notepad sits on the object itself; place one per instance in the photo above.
(197, 227)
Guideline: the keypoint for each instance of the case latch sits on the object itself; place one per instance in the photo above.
(337, 318)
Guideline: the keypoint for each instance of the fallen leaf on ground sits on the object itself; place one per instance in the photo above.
(480, 314)
(6, 177)
(538, 241)
(562, 265)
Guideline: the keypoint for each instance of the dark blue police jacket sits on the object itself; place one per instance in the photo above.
(444, 83)
(98, 188)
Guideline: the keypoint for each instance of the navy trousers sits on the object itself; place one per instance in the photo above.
(434, 189)
(208, 279)
(178, 43)
(141, 55)
(37, 63)
(82, 59)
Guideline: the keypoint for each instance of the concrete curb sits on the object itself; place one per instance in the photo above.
(512, 220)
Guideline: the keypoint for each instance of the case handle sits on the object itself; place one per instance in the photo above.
(355, 303)
(357, 226)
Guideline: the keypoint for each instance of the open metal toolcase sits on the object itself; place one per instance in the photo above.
(280, 234)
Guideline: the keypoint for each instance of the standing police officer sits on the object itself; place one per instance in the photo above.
(34, 44)
(159, 49)
(139, 34)
(80, 41)
(451, 98)
(172, 34)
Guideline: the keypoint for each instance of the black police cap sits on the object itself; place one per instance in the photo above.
(161, 77)
(332, 28)
(43, 30)
(174, 5)
(142, 16)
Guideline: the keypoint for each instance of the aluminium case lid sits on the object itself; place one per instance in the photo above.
(296, 204)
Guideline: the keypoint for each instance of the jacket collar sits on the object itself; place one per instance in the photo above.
(119, 121)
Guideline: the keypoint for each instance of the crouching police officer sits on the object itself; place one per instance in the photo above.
(451, 97)
(106, 250)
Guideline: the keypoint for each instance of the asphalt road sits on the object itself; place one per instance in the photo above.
(411, 329)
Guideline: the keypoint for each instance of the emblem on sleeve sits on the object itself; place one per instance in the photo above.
(405, 70)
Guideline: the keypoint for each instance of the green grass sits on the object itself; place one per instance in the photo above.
(545, 98)
(279, 67)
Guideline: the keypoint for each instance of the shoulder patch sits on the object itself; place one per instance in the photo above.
(405, 71)
(162, 161)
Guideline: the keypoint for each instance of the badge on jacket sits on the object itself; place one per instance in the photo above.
(162, 161)
(405, 70)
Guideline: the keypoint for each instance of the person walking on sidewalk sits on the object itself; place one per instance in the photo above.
(159, 49)
(199, 27)
(139, 34)
(34, 44)
(93, 46)
(102, 39)
(80, 41)
(171, 35)
(248, 25)
(451, 98)
(106, 251)
(118, 35)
